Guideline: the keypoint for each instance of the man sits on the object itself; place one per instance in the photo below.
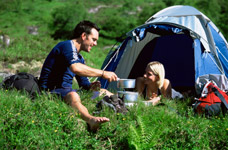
(65, 62)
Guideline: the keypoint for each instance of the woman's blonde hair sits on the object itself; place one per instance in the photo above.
(158, 69)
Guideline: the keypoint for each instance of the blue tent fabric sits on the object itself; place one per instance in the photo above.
(158, 29)
(204, 61)
(183, 41)
(222, 49)
(113, 63)
(164, 29)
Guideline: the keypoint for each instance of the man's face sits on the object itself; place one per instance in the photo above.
(89, 40)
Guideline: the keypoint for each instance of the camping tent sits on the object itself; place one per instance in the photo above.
(182, 38)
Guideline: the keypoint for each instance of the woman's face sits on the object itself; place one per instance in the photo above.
(149, 76)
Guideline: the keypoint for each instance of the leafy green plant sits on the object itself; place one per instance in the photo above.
(139, 139)
(49, 123)
(65, 18)
(149, 10)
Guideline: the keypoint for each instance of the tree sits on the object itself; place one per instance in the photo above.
(149, 10)
(65, 18)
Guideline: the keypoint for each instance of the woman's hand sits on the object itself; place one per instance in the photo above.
(154, 100)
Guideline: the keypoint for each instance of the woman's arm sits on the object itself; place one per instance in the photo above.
(166, 89)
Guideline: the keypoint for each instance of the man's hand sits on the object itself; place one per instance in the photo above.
(110, 76)
(95, 86)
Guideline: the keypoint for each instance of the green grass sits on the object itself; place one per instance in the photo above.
(36, 48)
(17, 15)
(27, 48)
(49, 123)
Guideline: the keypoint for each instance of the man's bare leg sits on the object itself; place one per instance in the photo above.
(74, 100)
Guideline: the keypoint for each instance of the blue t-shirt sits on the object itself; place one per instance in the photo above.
(56, 73)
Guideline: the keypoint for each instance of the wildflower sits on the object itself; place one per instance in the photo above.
(33, 121)
(210, 126)
(117, 114)
(18, 114)
(227, 129)
(56, 130)
(188, 122)
(124, 119)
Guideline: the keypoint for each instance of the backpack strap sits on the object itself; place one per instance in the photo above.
(196, 104)
(22, 75)
(220, 96)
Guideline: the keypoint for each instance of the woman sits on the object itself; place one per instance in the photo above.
(153, 83)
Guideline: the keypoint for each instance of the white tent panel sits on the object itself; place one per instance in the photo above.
(178, 10)
(190, 22)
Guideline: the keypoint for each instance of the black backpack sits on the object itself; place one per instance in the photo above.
(23, 82)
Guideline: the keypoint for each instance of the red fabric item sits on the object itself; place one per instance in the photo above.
(211, 98)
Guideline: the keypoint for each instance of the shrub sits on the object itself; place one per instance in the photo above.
(115, 23)
(65, 18)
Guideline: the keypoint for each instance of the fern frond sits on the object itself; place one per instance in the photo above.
(135, 145)
(142, 132)
(149, 137)
(134, 135)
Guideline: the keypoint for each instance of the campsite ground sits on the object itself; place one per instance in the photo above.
(48, 123)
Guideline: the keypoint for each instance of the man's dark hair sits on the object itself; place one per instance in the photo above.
(84, 26)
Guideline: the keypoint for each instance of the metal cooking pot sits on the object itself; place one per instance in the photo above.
(126, 83)
(130, 104)
(147, 103)
(128, 96)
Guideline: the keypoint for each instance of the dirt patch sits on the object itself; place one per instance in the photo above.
(34, 67)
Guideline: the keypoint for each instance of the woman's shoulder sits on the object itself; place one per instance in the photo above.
(166, 83)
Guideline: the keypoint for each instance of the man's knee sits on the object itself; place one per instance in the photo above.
(72, 98)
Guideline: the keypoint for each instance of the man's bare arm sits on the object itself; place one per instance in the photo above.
(84, 70)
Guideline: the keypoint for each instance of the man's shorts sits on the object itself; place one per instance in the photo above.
(62, 92)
